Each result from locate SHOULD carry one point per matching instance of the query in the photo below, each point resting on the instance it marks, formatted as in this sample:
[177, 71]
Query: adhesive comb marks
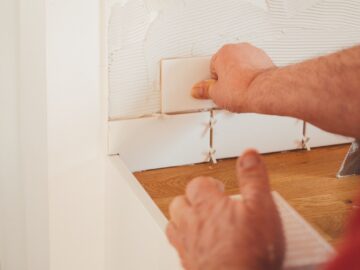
[141, 33]
[177, 79]
[259, 3]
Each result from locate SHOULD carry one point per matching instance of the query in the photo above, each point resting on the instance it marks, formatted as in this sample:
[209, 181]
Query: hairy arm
[324, 91]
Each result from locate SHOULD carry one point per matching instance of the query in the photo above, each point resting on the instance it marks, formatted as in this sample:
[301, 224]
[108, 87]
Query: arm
[324, 91]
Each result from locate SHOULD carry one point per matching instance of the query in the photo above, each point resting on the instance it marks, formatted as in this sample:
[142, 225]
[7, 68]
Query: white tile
[234, 133]
[158, 142]
[177, 79]
[318, 137]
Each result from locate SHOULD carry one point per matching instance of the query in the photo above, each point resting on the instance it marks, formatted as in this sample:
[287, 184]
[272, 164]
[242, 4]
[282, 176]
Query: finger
[204, 190]
[213, 71]
[178, 209]
[252, 178]
[176, 239]
[204, 89]
[173, 235]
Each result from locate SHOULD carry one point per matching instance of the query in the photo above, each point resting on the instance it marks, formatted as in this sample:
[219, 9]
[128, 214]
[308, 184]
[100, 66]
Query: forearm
[324, 91]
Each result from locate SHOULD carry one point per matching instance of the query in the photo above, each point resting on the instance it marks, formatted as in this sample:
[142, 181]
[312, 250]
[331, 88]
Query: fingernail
[249, 161]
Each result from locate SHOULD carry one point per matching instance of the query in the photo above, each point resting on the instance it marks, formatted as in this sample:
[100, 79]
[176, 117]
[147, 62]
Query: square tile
[234, 133]
[177, 79]
[159, 142]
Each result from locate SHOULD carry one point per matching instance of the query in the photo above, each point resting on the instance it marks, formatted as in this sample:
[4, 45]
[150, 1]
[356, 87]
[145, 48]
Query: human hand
[212, 231]
[233, 70]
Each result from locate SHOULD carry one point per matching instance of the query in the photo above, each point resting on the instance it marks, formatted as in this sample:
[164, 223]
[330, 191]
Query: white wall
[52, 128]
[33, 131]
[76, 124]
[12, 213]
[142, 32]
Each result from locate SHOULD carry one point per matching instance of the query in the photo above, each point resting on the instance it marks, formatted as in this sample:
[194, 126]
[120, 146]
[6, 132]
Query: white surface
[141, 33]
[234, 133]
[318, 137]
[157, 142]
[34, 169]
[259, 3]
[305, 248]
[75, 135]
[178, 76]
[57, 201]
[12, 196]
[141, 36]
[294, 6]
[134, 225]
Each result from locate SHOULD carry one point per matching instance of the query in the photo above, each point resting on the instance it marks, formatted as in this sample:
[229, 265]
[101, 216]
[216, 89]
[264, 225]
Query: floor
[305, 179]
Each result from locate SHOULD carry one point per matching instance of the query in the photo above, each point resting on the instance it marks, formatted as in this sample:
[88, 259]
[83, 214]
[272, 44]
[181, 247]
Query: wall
[33, 131]
[52, 123]
[76, 119]
[142, 32]
[12, 212]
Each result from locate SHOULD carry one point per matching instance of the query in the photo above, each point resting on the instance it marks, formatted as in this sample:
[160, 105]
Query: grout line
[304, 128]
[305, 139]
[161, 87]
[212, 150]
[119, 118]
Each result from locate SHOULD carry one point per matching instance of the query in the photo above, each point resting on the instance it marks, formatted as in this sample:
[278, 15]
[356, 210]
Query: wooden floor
[305, 179]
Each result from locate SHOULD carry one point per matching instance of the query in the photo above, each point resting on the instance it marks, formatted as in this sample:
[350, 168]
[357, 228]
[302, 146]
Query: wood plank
[305, 179]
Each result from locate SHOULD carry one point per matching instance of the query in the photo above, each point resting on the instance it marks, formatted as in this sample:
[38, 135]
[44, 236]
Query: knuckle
[196, 185]
[203, 183]
[246, 44]
[226, 48]
[176, 204]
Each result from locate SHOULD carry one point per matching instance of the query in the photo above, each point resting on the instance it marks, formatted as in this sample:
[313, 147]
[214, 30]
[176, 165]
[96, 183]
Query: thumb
[203, 89]
[252, 178]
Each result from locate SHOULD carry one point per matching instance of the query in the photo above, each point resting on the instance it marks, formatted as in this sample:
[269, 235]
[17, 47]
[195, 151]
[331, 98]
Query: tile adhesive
[142, 32]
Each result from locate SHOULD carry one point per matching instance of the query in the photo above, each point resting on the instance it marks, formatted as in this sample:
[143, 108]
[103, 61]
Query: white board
[318, 137]
[158, 142]
[305, 248]
[234, 133]
[178, 76]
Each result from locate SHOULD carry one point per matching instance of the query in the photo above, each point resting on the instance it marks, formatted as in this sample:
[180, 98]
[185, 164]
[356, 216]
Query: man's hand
[323, 91]
[212, 231]
[233, 69]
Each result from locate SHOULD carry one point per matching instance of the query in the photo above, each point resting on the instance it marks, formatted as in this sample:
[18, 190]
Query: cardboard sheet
[306, 249]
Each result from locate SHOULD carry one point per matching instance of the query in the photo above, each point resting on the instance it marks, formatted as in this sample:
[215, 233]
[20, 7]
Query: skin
[324, 91]
[212, 231]
[208, 229]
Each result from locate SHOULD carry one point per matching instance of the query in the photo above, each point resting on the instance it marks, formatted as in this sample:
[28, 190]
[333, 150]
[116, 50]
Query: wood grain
[305, 179]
